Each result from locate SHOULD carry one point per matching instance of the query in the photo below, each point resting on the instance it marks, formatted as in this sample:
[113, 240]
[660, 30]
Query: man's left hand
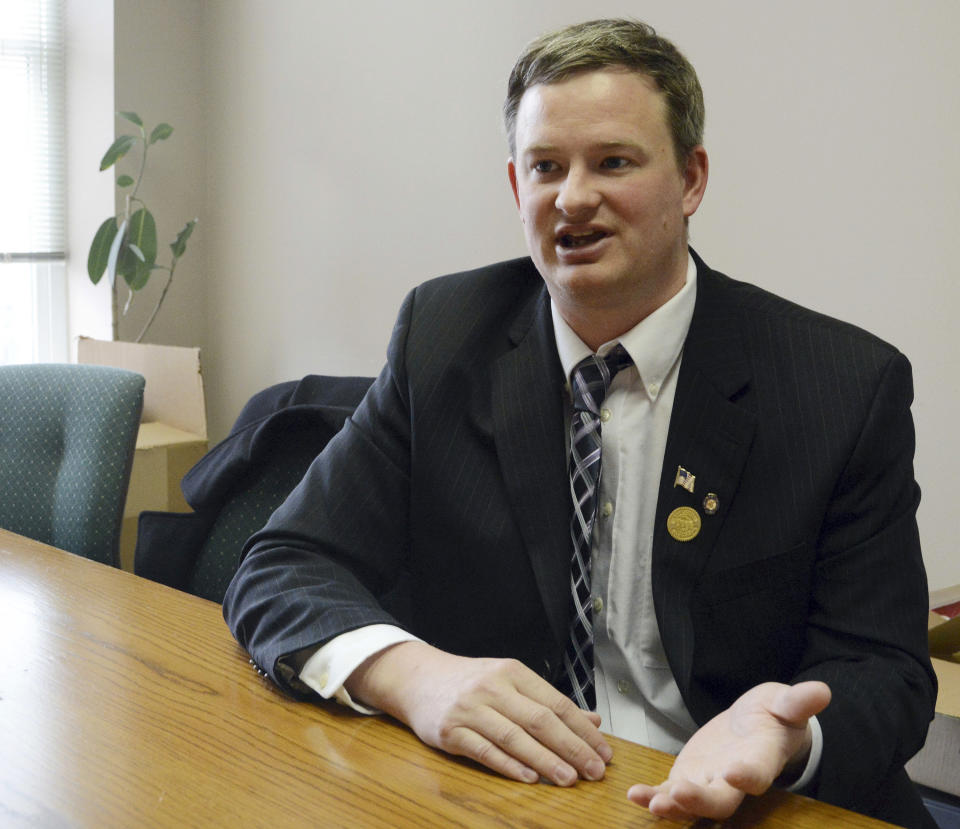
[741, 751]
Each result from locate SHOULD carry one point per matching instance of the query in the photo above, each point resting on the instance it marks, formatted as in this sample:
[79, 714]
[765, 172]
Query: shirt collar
[654, 343]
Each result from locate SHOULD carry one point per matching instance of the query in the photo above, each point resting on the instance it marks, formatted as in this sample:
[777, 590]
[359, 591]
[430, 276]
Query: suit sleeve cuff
[331, 665]
[813, 761]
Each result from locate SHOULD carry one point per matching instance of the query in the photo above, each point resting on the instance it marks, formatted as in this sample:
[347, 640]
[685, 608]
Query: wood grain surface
[124, 703]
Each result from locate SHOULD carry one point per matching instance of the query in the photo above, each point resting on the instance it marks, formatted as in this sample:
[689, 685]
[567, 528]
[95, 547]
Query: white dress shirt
[637, 696]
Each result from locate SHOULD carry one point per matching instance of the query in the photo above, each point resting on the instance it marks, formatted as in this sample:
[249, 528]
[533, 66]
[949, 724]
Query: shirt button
[606, 510]
[324, 677]
[653, 388]
[623, 686]
[597, 604]
[604, 415]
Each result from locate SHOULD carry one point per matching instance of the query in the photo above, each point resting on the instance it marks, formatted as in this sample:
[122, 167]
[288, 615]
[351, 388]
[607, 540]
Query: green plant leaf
[132, 117]
[118, 149]
[160, 133]
[134, 271]
[138, 279]
[139, 250]
[179, 245]
[114, 254]
[124, 180]
[143, 235]
[100, 249]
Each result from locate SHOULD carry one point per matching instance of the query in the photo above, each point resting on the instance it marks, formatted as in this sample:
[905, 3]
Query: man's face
[601, 196]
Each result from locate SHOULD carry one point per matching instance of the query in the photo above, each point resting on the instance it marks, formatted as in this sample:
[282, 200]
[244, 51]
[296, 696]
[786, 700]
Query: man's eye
[614, 163]
[544, 167]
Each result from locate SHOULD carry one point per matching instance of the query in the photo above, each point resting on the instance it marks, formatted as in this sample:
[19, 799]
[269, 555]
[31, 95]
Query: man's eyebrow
[539, 148]
[621, 145]
[536, 149]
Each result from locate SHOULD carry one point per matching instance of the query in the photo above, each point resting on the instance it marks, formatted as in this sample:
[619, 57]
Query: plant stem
[130, 197]
[143, 164]
[156, 308]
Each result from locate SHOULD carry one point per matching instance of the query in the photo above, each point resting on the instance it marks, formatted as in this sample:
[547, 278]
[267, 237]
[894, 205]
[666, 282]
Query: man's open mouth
[579, 240]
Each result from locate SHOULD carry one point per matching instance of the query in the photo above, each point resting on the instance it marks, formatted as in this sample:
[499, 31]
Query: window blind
[32, 139]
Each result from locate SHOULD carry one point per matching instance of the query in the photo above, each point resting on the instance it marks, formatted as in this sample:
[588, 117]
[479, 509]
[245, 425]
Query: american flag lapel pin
[684, 479]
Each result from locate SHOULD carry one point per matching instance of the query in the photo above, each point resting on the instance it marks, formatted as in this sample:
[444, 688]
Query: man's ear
[512, 175]
[695, 176]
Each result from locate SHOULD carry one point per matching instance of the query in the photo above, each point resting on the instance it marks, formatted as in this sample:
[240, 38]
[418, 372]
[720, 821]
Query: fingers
[742, 750]
[469, 743]
[547, 732]
[641, 794]
[686, 800]
[583, 724]
[717, 800]
[498, 742]
[797, 703]
[495, 711]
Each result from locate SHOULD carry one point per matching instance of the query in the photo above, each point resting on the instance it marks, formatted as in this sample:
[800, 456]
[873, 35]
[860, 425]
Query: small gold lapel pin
[711, 503]
[684, 479]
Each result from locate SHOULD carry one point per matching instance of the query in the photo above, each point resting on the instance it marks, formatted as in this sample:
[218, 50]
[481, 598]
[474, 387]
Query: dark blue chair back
[237, 485]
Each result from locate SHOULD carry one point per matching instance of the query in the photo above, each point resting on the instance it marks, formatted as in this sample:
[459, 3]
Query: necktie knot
[591, 377]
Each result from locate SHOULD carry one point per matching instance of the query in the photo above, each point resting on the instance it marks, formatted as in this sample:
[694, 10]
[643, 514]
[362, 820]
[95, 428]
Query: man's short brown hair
[613, 44]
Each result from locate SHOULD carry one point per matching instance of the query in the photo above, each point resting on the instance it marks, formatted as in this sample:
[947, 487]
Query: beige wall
[350, 151]
[160, 75]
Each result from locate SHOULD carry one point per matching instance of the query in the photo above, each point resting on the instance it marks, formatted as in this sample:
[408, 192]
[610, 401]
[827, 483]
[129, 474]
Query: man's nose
[578, 193]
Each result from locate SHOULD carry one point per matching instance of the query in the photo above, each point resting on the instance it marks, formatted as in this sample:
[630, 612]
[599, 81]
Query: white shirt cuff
[331, 665]
[813, 761]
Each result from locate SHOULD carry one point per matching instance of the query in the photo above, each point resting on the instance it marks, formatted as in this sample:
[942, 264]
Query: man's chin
[587, 284]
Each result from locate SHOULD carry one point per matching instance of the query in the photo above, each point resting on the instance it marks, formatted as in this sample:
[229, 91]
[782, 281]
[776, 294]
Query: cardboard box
[937, 765]
[173, 428]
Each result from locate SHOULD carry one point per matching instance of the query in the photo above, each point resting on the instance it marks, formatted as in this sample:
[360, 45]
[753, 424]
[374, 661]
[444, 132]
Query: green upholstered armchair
[67, 437]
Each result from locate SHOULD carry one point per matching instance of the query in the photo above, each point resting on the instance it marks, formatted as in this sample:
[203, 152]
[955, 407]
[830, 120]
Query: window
[32, 182]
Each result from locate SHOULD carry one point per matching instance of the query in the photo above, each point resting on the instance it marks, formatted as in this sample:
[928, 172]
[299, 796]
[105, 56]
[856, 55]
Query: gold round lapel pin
[683, 523]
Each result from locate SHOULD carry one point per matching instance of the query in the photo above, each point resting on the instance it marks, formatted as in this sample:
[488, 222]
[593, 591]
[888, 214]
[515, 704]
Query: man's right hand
[495, 711]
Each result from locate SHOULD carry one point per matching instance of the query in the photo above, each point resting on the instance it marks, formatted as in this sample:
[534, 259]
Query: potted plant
[127, 244]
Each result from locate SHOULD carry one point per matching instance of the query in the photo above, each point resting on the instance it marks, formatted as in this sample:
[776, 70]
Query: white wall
[353, 150]
[89, 114]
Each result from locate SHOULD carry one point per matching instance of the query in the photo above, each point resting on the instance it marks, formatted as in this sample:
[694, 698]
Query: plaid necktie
[590, 381]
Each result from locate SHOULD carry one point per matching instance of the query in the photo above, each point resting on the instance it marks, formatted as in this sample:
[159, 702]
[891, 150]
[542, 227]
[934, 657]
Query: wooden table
[124, 703]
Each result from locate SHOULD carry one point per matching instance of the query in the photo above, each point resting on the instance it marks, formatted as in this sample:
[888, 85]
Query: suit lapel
[710, 437]
[528, 417]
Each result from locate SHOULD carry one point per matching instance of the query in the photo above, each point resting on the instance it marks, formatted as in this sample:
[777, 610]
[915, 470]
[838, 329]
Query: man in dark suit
[746, 567]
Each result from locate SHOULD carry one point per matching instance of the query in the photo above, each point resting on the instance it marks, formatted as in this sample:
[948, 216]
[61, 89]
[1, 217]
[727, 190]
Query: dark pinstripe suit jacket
[450, 481]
